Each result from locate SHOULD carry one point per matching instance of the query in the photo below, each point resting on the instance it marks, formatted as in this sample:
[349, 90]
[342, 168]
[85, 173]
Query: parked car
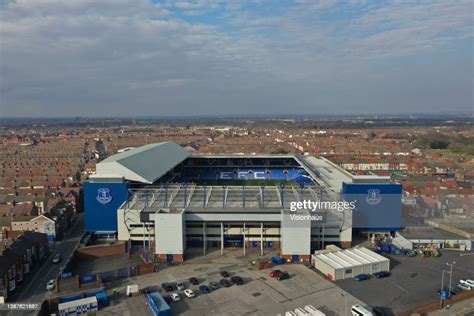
[464, 287]
[362, 277]
[237, 280]
[175, 297]
[467, 282]
[382, 274]
[189, 293]
[455, 290]
[180, 286]
[204, 289]
[225, 274]
[381, 311]
[283, 276]
[214, 285]
[225, 283]
[167, 299]
[274, 273]
[56, 258]
[50, 285]
[168, 287]
[194, 281]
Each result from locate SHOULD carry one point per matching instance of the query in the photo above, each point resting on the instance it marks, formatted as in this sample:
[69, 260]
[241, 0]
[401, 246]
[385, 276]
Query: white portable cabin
[348, 263]
[78, 307]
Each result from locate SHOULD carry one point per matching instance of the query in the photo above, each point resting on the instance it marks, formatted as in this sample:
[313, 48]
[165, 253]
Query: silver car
[464, 287]
[56, 258]
[50, 285]
[180, 286]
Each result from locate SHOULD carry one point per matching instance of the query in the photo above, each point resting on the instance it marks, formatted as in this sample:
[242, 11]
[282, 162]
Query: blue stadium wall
[378, 206]
[100, 208]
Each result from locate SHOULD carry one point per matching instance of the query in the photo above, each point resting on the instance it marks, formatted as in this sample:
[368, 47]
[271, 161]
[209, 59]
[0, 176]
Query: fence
[121, 273]
[436, 305]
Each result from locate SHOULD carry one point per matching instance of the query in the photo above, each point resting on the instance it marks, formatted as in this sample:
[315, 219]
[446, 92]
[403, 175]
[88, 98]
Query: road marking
[395, 284]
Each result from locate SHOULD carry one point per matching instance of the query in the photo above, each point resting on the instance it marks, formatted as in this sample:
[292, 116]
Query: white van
[359, 310]
[301, 312]
[313, 310]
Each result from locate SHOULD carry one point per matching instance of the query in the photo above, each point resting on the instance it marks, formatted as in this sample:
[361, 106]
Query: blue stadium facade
[164, 176]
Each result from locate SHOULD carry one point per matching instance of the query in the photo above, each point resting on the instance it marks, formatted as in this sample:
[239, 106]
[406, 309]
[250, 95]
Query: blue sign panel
[87, 278]
[378, 206]
[101, 201]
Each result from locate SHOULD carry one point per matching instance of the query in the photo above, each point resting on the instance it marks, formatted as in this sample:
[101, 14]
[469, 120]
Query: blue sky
[213, 57]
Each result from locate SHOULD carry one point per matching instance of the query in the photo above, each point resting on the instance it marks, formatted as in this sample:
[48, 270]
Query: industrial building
[168, 200]
[338, 264]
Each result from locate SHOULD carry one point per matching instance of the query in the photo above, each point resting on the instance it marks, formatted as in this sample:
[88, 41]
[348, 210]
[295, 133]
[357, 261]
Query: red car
[275, 273]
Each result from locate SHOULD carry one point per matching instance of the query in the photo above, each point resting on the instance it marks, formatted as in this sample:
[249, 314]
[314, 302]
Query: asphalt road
[33, 289]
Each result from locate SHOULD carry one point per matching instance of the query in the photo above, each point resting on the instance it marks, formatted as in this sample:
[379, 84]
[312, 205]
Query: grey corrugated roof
[144, 164]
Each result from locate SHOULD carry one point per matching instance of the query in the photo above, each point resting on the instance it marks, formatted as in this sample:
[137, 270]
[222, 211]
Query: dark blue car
[382, 274]
[362, 277]
[204, 289]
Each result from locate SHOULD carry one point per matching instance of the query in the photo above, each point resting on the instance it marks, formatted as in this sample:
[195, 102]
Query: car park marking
[399, 286]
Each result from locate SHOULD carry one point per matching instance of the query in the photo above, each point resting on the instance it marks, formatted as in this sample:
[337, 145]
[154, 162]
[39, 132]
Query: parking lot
[400, 291]
[259, 295]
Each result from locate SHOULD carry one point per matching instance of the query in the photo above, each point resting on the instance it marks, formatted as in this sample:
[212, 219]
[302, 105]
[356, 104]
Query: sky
[135, 58]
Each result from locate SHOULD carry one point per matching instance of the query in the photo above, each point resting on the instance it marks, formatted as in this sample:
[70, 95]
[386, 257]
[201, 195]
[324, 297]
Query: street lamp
[450, 274]
[441, 290]
[442, 286]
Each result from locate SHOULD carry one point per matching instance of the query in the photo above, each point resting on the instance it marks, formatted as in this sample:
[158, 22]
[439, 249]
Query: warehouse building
[163, 197]
[338, 264]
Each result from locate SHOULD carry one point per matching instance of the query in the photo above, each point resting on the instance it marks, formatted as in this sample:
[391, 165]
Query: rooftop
[144, 164]
[231, 199]
[346, 258]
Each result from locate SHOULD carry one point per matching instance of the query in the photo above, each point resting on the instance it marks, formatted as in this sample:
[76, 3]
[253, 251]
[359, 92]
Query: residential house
[7, 276]
[44, 224]
[18, 258]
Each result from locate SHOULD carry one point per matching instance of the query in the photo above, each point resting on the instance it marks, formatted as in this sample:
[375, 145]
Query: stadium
[161, 196]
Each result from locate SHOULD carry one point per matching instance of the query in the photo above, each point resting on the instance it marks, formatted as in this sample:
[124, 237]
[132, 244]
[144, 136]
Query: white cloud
[70, 55]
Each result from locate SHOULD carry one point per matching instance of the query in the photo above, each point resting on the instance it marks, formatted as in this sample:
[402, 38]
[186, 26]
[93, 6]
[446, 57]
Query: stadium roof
[144, 164]
[326, 171]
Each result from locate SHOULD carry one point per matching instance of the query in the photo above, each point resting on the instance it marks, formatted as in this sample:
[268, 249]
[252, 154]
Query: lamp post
[441, 289]
[450, 274]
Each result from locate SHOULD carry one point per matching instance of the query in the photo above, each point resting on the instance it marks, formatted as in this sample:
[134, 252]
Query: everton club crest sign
[103, 196]
[373, 197]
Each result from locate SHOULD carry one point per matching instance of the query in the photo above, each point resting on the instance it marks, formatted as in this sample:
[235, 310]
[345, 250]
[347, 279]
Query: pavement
[464, 308]
[33, 289]
[103, 264]
[401, 292]
[260, 294]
